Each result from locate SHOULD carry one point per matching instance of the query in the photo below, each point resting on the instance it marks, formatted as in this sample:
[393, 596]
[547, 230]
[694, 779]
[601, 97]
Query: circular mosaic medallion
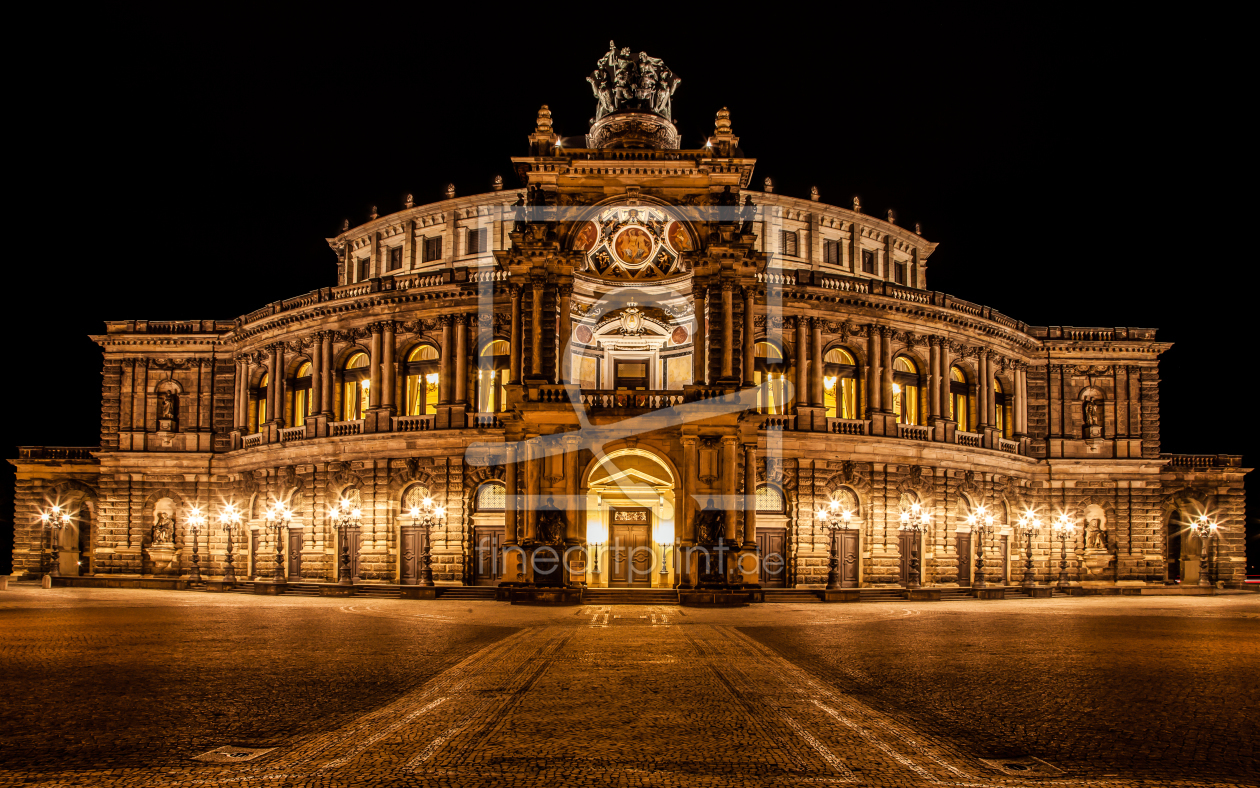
[633, 247]
[679, 336]
[583, 335]
[678, 237]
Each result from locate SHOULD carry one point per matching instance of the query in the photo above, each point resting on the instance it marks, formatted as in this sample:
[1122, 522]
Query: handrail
[651, 400]
[913, 432]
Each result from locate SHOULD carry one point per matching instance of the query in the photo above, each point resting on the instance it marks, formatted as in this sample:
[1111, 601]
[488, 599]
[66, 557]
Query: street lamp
[665, 538]
[916, 521]
[833, 518]
[430, 515]
[1063, 528]
[980, 521]
[344, 516]
[1205, 528]
[53, 521]
[229, 520]
[278, 518]
[195, 521]
[596, 534]
[1029, 524]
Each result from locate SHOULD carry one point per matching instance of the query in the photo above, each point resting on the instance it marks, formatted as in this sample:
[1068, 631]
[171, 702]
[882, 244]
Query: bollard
[46, 582]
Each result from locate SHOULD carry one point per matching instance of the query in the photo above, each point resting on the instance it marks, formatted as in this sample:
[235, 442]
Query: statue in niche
[166, 405]
[1095, 535]
[164, 529]
[710, 524]
[1093, 418]
[550, 528]
[746, 215]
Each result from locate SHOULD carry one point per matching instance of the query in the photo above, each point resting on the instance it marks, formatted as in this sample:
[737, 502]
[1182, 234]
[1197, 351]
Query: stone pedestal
[162, 558]
[1097, 565]
[545, 596]
[219, 586]
[4, 582]
[1040, 592]
[715, 598]
[990, 593]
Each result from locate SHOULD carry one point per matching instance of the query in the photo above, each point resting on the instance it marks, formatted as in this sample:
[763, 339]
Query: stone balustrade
[414, 423]
[848, 426]
[339, 429]
[290, 434]
[913, 432]
[648, 400]
[970, 439]
[1203, 460]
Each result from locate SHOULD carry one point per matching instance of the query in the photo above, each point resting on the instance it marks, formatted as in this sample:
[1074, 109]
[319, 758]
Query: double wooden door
[964, 559]
[906, 546]
[295, 555]
[487, 555]
[630, 549]
[848, 554]
[772, 551]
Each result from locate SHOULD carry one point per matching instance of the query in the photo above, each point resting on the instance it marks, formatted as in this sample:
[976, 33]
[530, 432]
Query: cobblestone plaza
[120, 687]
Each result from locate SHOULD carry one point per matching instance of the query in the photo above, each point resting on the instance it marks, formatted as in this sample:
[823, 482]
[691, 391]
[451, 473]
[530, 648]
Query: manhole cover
[232, 754]
[1025, 766]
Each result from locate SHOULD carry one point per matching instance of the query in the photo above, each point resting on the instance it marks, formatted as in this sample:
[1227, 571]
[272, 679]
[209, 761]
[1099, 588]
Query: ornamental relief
[632, 242]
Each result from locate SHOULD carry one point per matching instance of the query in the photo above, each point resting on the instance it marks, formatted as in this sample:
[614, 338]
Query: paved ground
[122, 688]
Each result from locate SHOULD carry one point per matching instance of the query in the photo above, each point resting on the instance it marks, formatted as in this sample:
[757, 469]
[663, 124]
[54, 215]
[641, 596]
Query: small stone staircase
[301, 589]
[955, 594]
[466, 593]
[792, 595]
[376, 591]
[881, 595]
[629, 596]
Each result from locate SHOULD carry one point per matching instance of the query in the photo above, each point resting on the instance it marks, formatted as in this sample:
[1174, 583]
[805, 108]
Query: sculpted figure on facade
[166, 405]
[164, 529]
[1093, 417]
[1095, 535]
[625, 81]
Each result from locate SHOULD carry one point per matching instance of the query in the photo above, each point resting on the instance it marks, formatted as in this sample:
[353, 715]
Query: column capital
[539, 281]
[565, 290]
[688, 440]
[388, 325]
[817, 323]
[461, 318]
[886, 331]
[376, 328]
[935, 341]
[730, 440]
[514, 290]
[728, 287]
[699, 291]
[445, 320]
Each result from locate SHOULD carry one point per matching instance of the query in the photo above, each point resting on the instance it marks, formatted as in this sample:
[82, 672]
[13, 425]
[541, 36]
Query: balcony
[57, 453]
[1202, 461]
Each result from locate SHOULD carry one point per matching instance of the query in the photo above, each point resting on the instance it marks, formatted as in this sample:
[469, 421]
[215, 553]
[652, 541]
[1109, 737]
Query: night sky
[1074, 171]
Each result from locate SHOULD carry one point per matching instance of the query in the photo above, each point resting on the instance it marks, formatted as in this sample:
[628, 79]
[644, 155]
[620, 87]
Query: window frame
[421, 369]
[869, 257]
[784, 237]
[831, 252]
[432, 248]
[394, 258]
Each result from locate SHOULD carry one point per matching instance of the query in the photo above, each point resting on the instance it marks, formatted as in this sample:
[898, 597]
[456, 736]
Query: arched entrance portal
[630, 520]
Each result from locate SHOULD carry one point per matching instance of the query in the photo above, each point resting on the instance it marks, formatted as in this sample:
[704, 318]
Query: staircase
[629, 596]
[955, 594]
[881, 595]
[792, 595]
[375, 591]
[301, 589]
[466, 593]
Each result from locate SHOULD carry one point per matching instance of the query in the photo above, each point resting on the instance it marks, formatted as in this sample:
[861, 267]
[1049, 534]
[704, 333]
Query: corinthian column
[444, 361]
[816, 372]
[886, 371]
[700, 339]
[374, 367]
[750, 330]
[327, 380]
[514, 362]
[317, 374]
[728, 329]
[388, 373]
[536, 328]
[750, 495]
[801, 396]
[564, 325]
[461, 359]
[872, 370]
[984, 389]
[934, 372]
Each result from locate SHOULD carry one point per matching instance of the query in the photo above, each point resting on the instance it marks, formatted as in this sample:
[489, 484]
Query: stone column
[686, 511]
[444, 361]
[699, 340]
[277, 384]
[509, 511]
[571, 508]
[241, 416]
[327, 380]
[564, 327]
[750, 495]
[514, 363]
[886, 372]
[750, 331]
[816, 373]
[374, 366]
[536, 329]
[1021, 400]
[388, 370]
[983, 389]
[801, 396]
[729, 486]
[728, 329]
[946, 364]
[934, 371]
[990, 396]
[461, 359]
[872, 370]
[317, 374]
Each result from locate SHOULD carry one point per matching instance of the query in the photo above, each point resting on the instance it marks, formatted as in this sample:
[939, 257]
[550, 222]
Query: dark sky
[1075, 169]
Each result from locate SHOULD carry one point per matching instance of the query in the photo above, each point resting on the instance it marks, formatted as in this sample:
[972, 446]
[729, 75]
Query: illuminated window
[769, 499]
[260, 404]
[301, 394]
[423, 374]
[958, 399]
[905, 405]
[492, 376]
[769, 373]
[999, 410]
[491, 497]
[354, 399]
[840, 384]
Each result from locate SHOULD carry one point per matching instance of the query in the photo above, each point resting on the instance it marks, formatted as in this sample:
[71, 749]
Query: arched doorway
[630, 520]
[1184, 546]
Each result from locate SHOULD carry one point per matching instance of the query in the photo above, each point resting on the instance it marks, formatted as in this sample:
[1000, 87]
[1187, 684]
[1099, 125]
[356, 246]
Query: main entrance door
[487, 555]
[964, 559]
[906, 546]
[631, 374]
[848, 558]
[630, 548]
[771, 549]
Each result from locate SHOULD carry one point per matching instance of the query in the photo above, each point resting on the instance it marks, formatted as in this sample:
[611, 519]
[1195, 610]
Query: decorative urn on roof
[633, 92]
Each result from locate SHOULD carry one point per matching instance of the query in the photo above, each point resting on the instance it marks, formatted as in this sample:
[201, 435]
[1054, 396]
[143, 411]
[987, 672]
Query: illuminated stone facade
[628, 348]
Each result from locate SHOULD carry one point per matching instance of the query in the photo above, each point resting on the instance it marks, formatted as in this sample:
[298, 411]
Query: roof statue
[634, 81]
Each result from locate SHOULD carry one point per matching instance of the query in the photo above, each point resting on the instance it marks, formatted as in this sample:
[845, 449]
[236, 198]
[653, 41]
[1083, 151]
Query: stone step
[463, 593]
[629, 596]
[793, 595]
[880, 595]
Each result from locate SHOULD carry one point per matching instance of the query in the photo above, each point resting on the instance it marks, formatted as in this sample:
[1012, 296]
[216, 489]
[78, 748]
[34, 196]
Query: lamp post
[53, 521]
[1029, 524]
[229, 520]
[596, 535]
[915, 522]
[664, 537]
[344, 516]
[834, 519]
[278, 518]
[1063, 528]
[980, 521]
[1205, 528]
[429, 515]
[195, 521]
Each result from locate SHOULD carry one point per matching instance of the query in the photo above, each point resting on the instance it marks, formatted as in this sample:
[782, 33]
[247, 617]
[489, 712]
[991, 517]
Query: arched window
[260, 404]
[958, 397]
[492, 376]
[905, 390]
[769, 368]
[355, 396]
[999, 410]
[491, 497]
[769, 499]
[840, 384]
[423, 372]
[301, 397]
[414, 498]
